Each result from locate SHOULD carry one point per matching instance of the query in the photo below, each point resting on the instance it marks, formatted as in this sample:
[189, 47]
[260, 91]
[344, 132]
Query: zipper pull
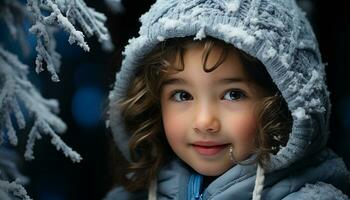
[198, 187]
[195, 186]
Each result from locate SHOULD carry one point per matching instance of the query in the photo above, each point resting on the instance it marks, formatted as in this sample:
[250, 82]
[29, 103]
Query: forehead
[230, 71]
[193, 64]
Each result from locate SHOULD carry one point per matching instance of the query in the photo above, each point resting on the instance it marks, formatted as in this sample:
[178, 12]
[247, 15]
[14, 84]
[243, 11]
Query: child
[224, 100]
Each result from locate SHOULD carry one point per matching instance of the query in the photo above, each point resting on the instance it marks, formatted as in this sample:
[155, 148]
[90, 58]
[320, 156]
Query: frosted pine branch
[14, 188]
[45, 42]
[63, 22]
[91, 21]
[13, 13]
[16, 89]
[40, 126]
[18, 97]
[9, 171]
[60, 145]
[8, 166]
[64, 14]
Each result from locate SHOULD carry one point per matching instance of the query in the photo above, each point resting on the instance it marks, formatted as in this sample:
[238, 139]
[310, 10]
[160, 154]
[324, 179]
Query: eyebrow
[232, 80]
[172, 81]
[181, 81]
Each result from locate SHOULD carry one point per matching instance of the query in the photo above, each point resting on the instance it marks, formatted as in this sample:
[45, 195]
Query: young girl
[224, 100]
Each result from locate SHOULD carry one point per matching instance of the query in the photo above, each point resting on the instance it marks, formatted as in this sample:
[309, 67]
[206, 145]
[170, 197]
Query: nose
[206, 120]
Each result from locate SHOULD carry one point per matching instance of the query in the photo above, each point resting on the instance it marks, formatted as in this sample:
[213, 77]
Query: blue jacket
[278, 34]
[320, 177]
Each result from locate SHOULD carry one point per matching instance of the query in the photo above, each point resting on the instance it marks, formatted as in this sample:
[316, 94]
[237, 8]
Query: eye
[180, 95]
[232, 95]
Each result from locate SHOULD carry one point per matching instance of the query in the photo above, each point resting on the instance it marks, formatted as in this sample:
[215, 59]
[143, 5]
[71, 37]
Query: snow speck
[292, 87]
[284, 59]
[254, 20]
[300, 113]
[314, 102]
[315, 82]
[200, 34]
[259, 34]
[270, 53]
[279, 24]
[171, 23]
[160, 38]
[233, 5]
[231, 32]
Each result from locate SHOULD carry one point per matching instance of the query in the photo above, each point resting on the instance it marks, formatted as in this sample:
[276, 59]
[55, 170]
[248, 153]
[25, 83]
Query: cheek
[170, 120]
[244, 127]
[174, 125]
[170, 123]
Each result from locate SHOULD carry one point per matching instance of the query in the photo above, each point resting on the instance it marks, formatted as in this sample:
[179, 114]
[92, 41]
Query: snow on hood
[276, 32]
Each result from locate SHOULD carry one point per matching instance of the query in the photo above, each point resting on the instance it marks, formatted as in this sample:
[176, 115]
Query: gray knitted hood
[274, 31]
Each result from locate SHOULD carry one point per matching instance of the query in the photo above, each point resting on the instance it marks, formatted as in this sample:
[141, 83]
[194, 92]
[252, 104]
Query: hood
[276, 32]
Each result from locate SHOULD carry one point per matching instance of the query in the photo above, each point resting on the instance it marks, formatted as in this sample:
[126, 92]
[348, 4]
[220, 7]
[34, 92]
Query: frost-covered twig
[64, 14]
[9, 172]
[13, 14]
[45, 42]
[91, 21]
[41, 126]
[8, 166]
[12, 188]
[17, 90]
[19, 97]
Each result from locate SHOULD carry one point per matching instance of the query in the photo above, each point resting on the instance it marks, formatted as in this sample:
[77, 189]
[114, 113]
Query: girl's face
[206, 113]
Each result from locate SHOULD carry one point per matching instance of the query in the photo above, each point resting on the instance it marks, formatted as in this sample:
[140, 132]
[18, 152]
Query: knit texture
[274, 31]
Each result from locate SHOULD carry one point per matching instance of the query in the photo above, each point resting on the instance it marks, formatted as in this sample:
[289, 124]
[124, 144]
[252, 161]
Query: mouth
[209, 148]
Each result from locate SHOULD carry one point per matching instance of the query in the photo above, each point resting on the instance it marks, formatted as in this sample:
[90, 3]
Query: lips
[208, 148]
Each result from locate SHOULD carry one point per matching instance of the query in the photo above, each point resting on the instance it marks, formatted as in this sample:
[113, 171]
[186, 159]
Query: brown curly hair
[141, 109]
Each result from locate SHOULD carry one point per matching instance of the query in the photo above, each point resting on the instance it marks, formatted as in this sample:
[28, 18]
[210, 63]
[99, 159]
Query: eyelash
[172, 96]
[239, 92]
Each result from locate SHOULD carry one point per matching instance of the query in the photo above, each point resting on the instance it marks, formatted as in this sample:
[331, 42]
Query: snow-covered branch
[91, 21]
[13, 14]
[21, 104]
[8, 166]
[10, 189]
[64, 14]
[9, 172]
[17, 90]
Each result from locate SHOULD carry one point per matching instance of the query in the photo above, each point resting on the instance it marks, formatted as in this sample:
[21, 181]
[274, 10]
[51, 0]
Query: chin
[211, 171]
